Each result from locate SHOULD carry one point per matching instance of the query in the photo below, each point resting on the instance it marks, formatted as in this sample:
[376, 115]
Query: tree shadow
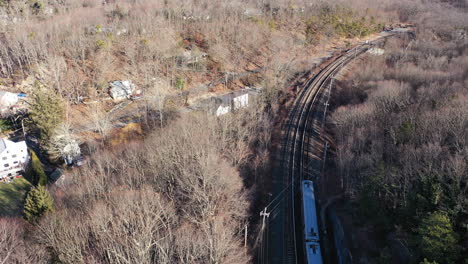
[12, 197]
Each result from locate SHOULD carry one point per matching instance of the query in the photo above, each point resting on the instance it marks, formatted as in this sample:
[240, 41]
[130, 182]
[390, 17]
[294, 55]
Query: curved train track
[284, 238]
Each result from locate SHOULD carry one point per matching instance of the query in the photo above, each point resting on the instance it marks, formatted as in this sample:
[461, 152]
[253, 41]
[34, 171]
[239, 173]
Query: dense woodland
[401, 128]
[185, 191]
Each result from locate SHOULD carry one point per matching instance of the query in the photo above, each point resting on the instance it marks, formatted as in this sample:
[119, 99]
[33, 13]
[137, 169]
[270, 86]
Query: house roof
[8, 144]
[227, 98]
[126, 86]
[3, 145]
[121, 88]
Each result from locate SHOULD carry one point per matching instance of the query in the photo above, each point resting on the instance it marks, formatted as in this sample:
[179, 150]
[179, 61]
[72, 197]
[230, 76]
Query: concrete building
[222, 104]
[14, 158]
[228, 102]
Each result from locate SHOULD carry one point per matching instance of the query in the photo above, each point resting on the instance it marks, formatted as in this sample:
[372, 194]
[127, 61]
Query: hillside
[161, 180]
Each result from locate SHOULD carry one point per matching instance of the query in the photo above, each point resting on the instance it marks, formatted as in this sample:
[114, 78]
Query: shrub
[38, 202]
[101, 44]
[5, 125]
[180, 83]
[38, 176]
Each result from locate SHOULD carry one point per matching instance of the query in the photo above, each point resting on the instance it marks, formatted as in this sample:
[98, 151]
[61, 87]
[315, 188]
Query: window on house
[15, 162]
[6, 165]
[21, 150]
[4, 158]
[14, 156]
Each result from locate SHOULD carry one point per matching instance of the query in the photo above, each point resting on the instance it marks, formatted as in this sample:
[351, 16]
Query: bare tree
[14, 247]
[63, 144]
[101, 121]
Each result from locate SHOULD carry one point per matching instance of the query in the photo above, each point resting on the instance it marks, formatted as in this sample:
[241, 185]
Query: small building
[222, 105]
[14, 158]
[228, 102]
[241, 100]
[120, 90]
[55, 175]
[7, 100]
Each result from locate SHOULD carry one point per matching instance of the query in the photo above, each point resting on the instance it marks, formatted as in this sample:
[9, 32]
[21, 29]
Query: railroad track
[284, 238]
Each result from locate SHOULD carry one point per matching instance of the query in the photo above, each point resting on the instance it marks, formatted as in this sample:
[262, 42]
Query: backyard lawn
[12, 195]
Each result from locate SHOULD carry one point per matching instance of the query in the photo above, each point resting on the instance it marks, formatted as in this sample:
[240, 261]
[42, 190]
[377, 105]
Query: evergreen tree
[46, 112]
[39, 177]
[38, 202]
[438, 241]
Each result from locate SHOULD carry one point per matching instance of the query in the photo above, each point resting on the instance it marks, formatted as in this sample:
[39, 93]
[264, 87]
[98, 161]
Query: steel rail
[294, 120]
[297, 117]
[333, 71]
[312, 90]
[296, 128]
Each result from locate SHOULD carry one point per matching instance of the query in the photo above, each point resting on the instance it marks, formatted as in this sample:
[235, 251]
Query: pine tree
[438, 241]
[39, 177]
[38, 202]
[46, 112]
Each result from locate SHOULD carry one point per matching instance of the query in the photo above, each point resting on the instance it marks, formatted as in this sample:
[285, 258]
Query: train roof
[314, 255]
[310, 212]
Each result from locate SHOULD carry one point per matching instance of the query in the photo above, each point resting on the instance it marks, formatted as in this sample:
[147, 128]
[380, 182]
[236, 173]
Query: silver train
[310, 221]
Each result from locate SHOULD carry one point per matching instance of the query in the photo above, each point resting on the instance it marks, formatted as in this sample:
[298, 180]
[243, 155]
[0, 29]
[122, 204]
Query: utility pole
[323, 166]
[322, 179]
[328, 99]
[245, 236]
[264, 215]
[226, 79]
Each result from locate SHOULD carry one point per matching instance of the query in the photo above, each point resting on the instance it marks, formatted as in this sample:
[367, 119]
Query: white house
[14, 158]
[120, 90]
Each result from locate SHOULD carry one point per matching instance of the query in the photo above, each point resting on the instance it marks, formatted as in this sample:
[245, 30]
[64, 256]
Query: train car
[313, 253]
[311, 230]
